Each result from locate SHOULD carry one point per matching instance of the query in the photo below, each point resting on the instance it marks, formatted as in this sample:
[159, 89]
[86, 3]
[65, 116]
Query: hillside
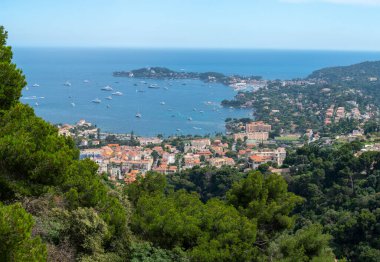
[358, 73]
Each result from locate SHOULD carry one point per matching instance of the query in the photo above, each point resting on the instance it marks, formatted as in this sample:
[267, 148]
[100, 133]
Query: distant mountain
[359, 73]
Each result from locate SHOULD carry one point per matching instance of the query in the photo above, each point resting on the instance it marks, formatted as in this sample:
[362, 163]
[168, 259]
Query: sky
[246, 24]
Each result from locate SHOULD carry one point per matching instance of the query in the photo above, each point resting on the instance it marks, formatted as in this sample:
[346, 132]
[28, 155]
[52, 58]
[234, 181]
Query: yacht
[178, 129]
[117, 94]
[109, 97]
[96, 101]
[201, 111]
[138, 115]
[73, 104]
[86, 81]
[67, 83]
[36, 104]
[162, 103]
[190, 119]
[36, 85]
[154, 86]
[107, 88]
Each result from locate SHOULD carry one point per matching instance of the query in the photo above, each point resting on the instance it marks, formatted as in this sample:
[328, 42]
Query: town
[124, 157]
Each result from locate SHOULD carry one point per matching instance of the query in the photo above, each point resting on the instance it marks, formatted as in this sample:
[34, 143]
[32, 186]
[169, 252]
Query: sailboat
[138, 115]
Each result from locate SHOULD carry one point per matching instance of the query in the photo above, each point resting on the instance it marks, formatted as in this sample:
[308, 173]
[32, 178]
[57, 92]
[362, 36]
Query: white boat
[36, 85]
[138, 115]
[162, 103]
[109, 97]
[86, 81]
[117, 94]
[178, 129]
[107, 88]
[96, 101]
[154, 86]
[67, 83]
[26, 88]
[36, 104]
[201, 111]
[190, 119]
[73, 104]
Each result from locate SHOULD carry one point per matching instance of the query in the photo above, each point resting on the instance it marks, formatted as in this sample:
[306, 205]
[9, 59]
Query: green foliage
[11, 79]
[266, 199]
[307, 244]
[209, 182]
[16, 242]
[180, 219]
[342, 192]
[145, 251]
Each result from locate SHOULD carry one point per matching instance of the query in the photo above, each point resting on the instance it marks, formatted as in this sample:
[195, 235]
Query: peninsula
[162, 73]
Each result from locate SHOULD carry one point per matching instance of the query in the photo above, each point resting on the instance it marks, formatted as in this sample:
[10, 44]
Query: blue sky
[269, 24]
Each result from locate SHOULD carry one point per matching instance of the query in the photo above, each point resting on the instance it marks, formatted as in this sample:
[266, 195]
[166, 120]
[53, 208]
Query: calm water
[50, 68]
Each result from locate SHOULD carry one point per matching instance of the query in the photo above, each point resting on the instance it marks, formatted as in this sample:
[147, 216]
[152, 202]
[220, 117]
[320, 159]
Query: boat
[154, 86]
[86, 81]
[138, 115]
[190, 119]
[36, 85]
[107, 88]
[117, 94]
[196, 128]
[26, 88]
[109, 97]
[165, 88]
[36, 104]
[73, 104]
[178, 129]
[67, 83]
[201, 111]
[96, 101]
[162, 103]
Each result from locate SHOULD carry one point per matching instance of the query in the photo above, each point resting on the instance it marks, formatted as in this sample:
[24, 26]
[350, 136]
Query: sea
[182, 107]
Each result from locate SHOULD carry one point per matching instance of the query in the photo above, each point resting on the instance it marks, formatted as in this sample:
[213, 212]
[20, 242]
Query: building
[260, 136]
[263, 156]
[221, 161]
[259, 126]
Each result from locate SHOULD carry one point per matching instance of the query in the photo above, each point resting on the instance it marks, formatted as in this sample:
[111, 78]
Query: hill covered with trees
[55, 207]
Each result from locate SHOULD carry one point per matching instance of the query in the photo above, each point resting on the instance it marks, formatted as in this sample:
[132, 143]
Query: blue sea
[166, 110]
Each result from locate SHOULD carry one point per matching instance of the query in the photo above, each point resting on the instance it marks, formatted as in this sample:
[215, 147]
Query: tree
[266, 199]
[12, 80]
[16, 242]
[307, 244]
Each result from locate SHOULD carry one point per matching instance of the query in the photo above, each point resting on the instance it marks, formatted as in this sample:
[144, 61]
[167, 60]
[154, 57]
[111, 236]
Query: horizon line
[204, 48]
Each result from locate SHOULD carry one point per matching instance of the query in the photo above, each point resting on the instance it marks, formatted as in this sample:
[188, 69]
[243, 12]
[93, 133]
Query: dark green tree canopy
[12, 81]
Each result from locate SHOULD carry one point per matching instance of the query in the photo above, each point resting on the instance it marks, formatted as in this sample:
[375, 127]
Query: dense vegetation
[343, 194]
[56, 207]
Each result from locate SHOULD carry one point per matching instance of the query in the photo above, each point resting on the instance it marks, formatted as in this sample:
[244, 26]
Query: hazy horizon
[336, 25]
